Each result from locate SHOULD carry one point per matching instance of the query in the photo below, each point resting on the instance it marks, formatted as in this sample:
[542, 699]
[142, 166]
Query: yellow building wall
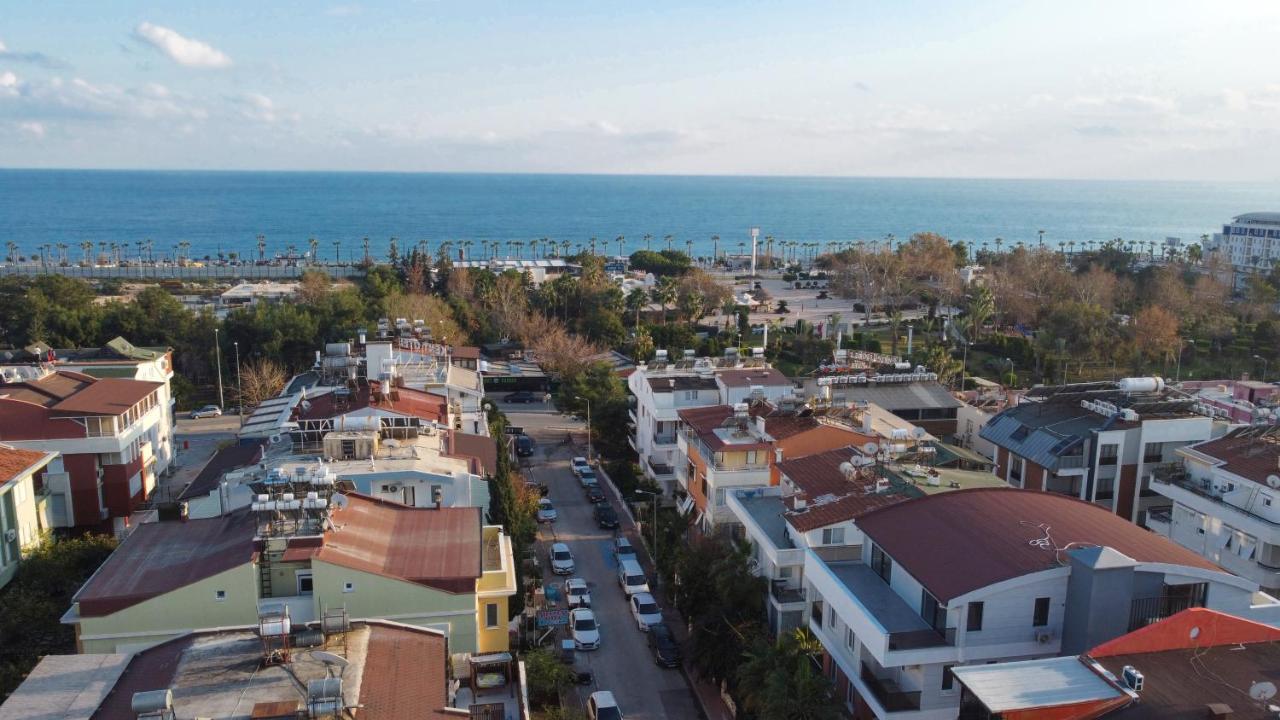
[175, 613]
[495, 587]
[375, 596]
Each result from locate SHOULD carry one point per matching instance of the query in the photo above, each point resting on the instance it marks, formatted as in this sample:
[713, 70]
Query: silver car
[546, 511]
[561, 559]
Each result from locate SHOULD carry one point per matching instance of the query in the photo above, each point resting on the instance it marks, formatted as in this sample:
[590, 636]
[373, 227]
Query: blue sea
[225, 211]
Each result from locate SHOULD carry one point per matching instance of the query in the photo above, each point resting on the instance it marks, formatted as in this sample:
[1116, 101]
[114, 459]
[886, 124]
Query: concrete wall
[17, 513]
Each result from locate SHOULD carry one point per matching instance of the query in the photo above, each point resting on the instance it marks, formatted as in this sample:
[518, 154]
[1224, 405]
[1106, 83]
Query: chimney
[777, 455]
[760, 424]
[799, 501]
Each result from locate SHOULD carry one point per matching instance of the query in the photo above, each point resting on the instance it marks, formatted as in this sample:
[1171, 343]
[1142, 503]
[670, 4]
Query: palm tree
[1062, 248]
[1041, 233]
[742, 250]
[337, 252]
[999, 243]
[647, 239]
[466, 249]
[619, 240]
[564, 247]
[115, 253]
[314, 244]
[768, 251]
[86, 247]
[688, 245]
[593, 245]
[715, 248]
[151, 250]
[1072, 245]
[519, 246]
[138, 244]
[670, 239]
[262, 247]
[637, 300]
[102, 252]
[665, 294]
[365, 242]
[185, 247]
[13, 251]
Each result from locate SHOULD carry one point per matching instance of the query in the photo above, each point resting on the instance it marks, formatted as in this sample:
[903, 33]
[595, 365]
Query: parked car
[561, 559]
[208, 411]
[521, 396]
[583, 629]
[594, 494]
[579, 464]
[546, 511]
[663, 645]
[577, 593]
[524, 446]
[645, 610]
[602, 706]
[631, 578]
[622, 549]
[588, 477]
[606, 516]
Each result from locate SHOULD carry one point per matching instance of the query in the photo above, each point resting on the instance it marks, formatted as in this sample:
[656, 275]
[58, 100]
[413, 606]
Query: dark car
[524, 446]
[595, 494]
[606, 516]
[666, 651]
[521, 396]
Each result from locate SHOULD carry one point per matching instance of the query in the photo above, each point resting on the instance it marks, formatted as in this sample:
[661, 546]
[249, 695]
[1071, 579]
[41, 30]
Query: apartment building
[855, 377]
[22, 510]
[729, 447]
[302, 553]
[1225, 502]
[1250, 243]
[110, 433]
[976, 576]
[664, 386]
[816, 505]
[1098, 441]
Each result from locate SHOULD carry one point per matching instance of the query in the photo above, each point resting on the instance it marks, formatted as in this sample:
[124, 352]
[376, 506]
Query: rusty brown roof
[48, 390]
[160, 557]
[436, 547]
[466, 352]
[16, 461]
[227, 459]
[407, 401]
[1254, 458]
[706, 420]
[397, 653]
[830, 496]
[479, 450]
[753, 376]
[106, 396]
[959, 541]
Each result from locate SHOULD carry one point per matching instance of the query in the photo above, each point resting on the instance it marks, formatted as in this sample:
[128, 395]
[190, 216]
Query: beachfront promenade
[180, 272]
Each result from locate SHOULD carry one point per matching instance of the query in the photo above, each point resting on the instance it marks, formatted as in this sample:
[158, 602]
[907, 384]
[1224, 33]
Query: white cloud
[32, 128]
[180, 49]
[8, 83]
[344, 10]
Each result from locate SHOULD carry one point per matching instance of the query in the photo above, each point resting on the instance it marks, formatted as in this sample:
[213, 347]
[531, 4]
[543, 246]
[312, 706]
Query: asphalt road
[623, 664]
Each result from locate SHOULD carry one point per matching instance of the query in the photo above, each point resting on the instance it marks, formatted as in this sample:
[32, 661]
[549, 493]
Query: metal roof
[903, 396]
[1269, 218]
[1035, 684]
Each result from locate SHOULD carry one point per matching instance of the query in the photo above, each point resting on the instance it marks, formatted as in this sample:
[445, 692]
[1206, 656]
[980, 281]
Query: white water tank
[1141, 384]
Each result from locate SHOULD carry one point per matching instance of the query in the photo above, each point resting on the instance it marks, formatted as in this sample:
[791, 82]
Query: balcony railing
[921, 639]
[664, 439]
[661, 469]
[886, 691]
[1182, 480]
[783, 594]
[1070, 461]
[1144, 611]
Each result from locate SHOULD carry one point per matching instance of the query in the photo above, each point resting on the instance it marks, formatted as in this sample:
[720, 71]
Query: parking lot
[623, 664]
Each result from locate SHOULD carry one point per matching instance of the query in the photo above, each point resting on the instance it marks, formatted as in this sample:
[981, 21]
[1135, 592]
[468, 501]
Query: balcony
[1163, 480]
[1160, 520]
[886, 692]
[1144, 611]
[784, 595]
[664, 439]
[922, 639]
[660, 470]
[1067, 462]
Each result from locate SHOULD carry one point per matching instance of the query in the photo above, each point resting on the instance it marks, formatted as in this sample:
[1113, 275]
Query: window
[850, 640]
[948, 678]
[833, 536]
[1266, 501]
[1108, 454]
[881, 563]
[933, 612]
[720, 497]
[219, 595]
[1040, 617]
[974, 623]
[305, 584]
[831, 617]
[491, 615]
[1153, 452]
[785, 571]
[753, 457]
[690, 394]
[348, 587]
[706, 489]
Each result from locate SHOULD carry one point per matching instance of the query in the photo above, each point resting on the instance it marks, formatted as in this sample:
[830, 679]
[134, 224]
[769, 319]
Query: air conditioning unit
[10, 535]
[1044, 637]
[1132, 678]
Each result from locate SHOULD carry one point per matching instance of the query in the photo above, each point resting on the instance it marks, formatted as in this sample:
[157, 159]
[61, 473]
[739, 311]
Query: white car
[645, 610]
[577, 593]
[561, 559]
[208, 411]
[583, 629]
[546, 511]
[602, 706]
[579, 464]
[588, 478]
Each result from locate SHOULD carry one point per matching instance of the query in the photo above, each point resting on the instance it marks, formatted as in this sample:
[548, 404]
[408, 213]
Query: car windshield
[562, 555]
[647, 608]
[588, 474]
[660, 632]
[584, 624]
[635, 579]
[609, 713]
[626, 549]
[577, 591]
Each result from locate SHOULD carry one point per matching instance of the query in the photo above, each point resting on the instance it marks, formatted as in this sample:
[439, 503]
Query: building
[855, 377]
[247, 293]
[1197, 663]
[23, 506]
[997, 574]
[114, 436]
[1098, 441]
[816, 505]
[436, 568]
[663, 387]
[230, 673]
[1240, 401]
[1250, 243]
[538, 271]
[1225, 502]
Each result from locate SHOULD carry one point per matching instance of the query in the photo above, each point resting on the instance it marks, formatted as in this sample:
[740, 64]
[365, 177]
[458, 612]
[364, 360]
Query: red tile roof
[415, 403]
[48, 390]
[465, 352]
[956, 542]
[844, 509]
[479, 450]
[393, 655]
[706, 420]
[106, 396]
[438, 547]
[15, 462]
[831, 497]
[160, 557]
[753, 376]
[1254, 458]
[1174, 633]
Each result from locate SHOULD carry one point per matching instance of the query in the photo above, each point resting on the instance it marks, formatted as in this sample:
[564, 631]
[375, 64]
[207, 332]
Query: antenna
[339, 501]
[331, 661]
[1262, 691]
[870, 448]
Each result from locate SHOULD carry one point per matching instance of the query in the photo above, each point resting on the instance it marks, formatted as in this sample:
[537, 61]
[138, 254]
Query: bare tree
[261, 380]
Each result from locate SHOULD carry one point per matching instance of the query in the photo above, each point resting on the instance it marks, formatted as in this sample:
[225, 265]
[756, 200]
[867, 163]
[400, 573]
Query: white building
[1250, 243]
[22, 521]
[1226, 502]
[986, 575]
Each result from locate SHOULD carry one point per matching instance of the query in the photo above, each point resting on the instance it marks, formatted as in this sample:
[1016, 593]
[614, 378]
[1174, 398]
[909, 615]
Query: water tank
[1141, 384]
[152, 701]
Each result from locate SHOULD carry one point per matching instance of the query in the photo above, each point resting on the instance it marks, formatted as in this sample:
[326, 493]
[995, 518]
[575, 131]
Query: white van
[631, 578]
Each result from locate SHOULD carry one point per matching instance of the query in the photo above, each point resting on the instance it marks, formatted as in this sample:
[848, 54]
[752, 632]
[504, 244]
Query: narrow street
[624, 663]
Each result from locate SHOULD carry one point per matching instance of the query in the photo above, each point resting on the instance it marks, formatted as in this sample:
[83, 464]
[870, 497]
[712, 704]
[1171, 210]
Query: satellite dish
[339, 501]
[918, 432]
[1262, 691]
[846, 468]
[1195, 633]
[329, 658]
[1273, 481]
[870, 448]
[274, 439]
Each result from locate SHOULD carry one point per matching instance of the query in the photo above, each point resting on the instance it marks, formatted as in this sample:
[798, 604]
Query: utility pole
[239, 387]
[217, 351]
[588, 402]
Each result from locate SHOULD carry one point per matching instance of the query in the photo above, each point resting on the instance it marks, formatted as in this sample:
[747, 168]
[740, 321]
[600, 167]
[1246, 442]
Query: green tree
[547, 677]
[980, 307]
[664, 293]
[637, 301]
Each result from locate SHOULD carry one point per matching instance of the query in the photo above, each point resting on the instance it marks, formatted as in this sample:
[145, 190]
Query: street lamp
[1182, 344]
[588, 402]
[1264, 366]
[964, 364]
[655, 495]
[217, 352]
[239, 387]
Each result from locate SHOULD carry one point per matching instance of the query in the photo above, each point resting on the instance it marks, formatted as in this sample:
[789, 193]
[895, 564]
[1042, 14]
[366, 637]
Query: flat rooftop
[767, 512]
[1037, 684]
[893, 614]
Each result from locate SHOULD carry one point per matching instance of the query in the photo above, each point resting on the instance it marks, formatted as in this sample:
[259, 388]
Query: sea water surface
[225, 211]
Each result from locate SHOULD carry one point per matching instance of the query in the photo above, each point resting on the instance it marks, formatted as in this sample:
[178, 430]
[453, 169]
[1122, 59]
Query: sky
[1084, 89]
